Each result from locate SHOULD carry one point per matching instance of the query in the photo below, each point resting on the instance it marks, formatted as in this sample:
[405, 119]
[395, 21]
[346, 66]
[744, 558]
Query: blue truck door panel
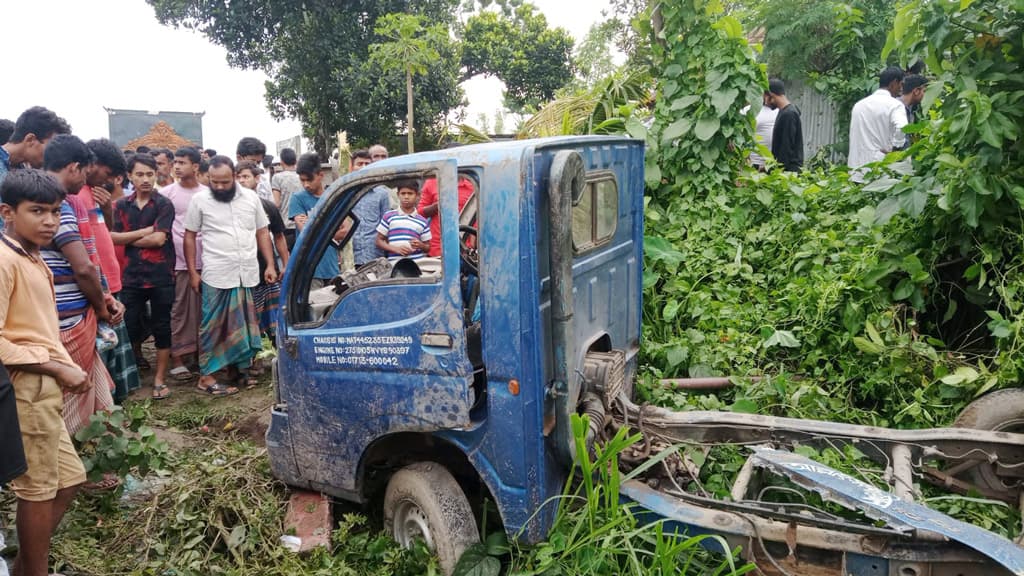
[390, 357]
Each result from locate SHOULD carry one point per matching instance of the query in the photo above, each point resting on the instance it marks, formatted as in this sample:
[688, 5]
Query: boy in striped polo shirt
[403, 233]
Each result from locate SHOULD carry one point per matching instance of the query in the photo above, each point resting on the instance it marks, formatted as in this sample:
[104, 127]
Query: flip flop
[108, 483]
[218, 389]
[181, 374]
[161, 391]
[245, 378]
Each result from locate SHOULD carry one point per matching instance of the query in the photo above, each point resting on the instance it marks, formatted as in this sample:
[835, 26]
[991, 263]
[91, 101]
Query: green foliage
[594, 54]
[219, 513]
[531, 59]
[119, 442]
[832, 45]
[195, 413]
[317, 58]
[707, 75]
[893, 304]
[616, 104]
[411, 48]
[595, 533]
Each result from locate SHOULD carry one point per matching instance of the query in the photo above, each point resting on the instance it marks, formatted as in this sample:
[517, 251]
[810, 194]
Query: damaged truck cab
[428, 385]
[458, 373]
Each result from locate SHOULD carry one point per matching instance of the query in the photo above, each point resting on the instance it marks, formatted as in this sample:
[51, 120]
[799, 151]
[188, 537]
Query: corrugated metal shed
[818, 116]
[127, 125]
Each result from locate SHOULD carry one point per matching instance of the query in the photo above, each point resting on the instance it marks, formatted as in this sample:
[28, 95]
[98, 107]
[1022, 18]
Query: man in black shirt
[788, 134]
[142, 224]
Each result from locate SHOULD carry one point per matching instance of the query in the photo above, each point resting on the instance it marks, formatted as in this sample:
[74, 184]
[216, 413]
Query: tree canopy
[532, 59]
[410, 48]
[317, 58]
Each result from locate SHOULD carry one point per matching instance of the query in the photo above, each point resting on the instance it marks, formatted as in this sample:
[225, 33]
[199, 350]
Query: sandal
[108, 483]
[218, 389]
[181, 374]
[160, 391]
[245, 378]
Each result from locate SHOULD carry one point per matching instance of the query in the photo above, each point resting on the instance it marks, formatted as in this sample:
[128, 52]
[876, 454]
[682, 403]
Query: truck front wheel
[424, 502]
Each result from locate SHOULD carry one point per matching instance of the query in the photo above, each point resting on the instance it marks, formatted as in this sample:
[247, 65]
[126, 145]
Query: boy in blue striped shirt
[403, 233]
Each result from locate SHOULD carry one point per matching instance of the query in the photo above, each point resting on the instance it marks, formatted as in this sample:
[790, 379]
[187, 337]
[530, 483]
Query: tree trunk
[408, 103]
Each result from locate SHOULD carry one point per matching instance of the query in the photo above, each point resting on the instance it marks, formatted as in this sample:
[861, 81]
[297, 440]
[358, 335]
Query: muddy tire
[1002, 411]
[424, 502]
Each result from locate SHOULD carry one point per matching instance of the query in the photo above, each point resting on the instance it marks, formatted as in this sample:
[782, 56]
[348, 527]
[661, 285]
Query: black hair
[411, 183]
[890, 75]
[30, 185]
[268, 160]
[912, 81]
[776, 86]
[308, 164]
[221, 160]
[189, 152]
[65, 149]
[127, 152]
[204, 166]
[250, 146]
[210, 152]
[109, 155]
[288, 157]
[250, 166]
[163, 152]
[142, 158]
[362, 153]
[143, 149]
[6, 129]
[39, 121]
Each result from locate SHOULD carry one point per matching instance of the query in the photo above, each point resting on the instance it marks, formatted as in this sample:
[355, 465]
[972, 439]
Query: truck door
[380, 354]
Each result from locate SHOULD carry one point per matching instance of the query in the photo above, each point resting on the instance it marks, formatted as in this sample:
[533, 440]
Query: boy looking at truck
[403, 233]
[41, 369]
[300, 209]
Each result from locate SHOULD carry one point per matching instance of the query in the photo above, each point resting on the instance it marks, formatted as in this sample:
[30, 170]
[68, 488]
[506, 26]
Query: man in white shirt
[764, 124]
[234, 227]
[876, 124]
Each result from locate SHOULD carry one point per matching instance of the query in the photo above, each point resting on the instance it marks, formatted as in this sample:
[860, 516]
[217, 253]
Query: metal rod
[903, 475]
[710, 383]
[739, 487]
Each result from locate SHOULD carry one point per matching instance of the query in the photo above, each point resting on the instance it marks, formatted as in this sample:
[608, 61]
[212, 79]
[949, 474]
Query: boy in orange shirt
[40, 367]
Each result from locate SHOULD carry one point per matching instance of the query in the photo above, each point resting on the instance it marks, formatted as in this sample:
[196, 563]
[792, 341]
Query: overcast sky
[78, 57]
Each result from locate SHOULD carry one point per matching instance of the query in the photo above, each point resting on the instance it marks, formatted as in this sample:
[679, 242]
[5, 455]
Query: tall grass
[595, 533]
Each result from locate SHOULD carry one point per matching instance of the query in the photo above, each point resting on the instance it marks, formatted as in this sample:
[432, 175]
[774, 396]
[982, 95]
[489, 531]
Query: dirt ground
[189, 413]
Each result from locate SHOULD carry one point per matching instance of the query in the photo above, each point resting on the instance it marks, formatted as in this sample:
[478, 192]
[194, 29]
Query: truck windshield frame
[338, 207]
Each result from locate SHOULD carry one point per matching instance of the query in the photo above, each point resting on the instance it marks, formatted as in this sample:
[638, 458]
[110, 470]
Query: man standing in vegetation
[788, 133]
[876, 124]
[913, 93]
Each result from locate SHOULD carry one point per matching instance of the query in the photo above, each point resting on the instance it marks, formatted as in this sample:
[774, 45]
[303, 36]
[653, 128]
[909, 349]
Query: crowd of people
[104, 248]
[876, 123]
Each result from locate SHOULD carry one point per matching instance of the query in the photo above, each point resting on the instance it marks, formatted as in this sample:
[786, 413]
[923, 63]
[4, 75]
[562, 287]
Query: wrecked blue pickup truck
[426, 386]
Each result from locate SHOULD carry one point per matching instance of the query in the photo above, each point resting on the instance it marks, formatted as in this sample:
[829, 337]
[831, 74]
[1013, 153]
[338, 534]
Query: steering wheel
[469, 255]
